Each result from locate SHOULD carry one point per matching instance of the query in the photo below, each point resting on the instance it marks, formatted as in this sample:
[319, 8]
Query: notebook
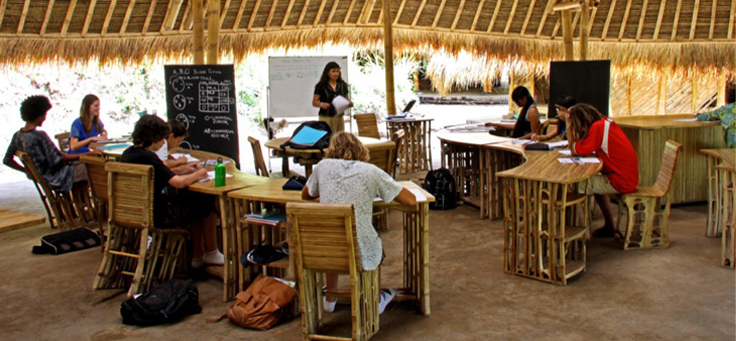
[308, 136]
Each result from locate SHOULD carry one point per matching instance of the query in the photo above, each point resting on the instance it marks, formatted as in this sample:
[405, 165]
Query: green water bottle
[219, 173]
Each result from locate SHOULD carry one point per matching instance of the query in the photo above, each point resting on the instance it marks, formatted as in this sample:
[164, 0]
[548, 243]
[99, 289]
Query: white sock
[387, 295]
[329, 306]
[214, 258]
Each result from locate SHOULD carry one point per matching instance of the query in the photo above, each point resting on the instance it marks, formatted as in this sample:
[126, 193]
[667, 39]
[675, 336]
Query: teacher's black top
[328, 94]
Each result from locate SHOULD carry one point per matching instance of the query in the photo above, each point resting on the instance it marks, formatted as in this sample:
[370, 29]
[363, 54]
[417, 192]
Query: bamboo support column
[389, 60]
[584, 27]
[198, 31]
[567, 34]
[694, 95]
[213, 33]
[721, 89]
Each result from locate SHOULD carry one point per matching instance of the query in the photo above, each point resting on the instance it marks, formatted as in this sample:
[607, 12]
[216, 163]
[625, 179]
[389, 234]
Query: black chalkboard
[586, 81]
[203, 98]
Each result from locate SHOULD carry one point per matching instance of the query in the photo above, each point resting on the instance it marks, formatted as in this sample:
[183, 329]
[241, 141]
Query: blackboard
[203, 98]
[586, 81]
[291, 82]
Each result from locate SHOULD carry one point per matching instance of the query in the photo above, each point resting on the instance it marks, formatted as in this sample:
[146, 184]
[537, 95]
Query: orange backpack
[262, 305]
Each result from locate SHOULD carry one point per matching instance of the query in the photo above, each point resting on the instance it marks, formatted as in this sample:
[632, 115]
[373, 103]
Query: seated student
[54, 166]
[87, 128]
[562, 105]
[194, 208]
[344, 176]
[178, 133]
[589, 131]
[727, 115]
[528, 121]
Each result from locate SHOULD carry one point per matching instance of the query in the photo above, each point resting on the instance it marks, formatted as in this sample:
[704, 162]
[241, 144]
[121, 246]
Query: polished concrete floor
[680, 293]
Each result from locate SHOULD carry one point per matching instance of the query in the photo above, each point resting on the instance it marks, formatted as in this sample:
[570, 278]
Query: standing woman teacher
[87, 128]
[330, 86]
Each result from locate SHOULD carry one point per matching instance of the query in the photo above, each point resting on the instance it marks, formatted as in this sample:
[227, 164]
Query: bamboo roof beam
[575, 20]
[677, 20]
[528, 16]
[662, 5]
[88, 18]
[439, 13]
[495, 15]
[46, 18]
[557, 25]
[172, 11]
[4, 3]
[380, 16]
[186, 21]
[301, 15]
[730, 21]
[571, 5]
[608, 20]
[592, 15]
[332, 11]
[106, 23]
[389, 58]
[148, 17]
[511, 17]
[347, 15]
[624, 21]
[419, 12]
[254, 13]
[23, 15]
[641, 19]
[319, 13]
[457, 16]
[712, 19]
[126, 19]
[694, 22]
[287, 14]
[367, 11]
[239, 16]
[67, 17]
[547, 10]
[398, 14]
[224, 10]
[270, 15]
[477, 14]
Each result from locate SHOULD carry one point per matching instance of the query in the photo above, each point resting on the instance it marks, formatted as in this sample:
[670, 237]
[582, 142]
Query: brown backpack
[262, 305]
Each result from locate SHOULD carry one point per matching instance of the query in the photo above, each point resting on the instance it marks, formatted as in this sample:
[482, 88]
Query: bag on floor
[67, 241]
[310, 135]
[263, 305]
[166, 303]
[441, 184]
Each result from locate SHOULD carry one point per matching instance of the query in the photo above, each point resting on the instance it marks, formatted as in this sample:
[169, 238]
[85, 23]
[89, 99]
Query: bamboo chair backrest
[34, 173]
[667, 167]
[130, 188]
[325, 237]
[260, 164]
[96, 175]
[545, 127]
[398, 139]
[381, 154]
[367, 125]
[63, 140]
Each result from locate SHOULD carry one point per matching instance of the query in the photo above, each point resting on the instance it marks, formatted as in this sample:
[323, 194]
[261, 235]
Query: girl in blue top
[87, 128]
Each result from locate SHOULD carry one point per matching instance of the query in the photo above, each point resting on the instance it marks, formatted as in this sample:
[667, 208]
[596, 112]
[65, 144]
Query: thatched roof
[668, 34]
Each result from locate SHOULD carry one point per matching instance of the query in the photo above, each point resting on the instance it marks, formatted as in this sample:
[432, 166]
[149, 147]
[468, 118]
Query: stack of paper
[558, 144]
[341, 104]
[189, 157]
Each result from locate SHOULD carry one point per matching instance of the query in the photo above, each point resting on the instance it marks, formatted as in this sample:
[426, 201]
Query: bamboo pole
[213, 33]
[712, 19]
[493, 18]
[641, 19]
[186, 20]
[171, 13]
[87, 19]
[106, 24]
[662, 5]
[677, 20]
[288, 12]
[319, 13]
[477, 14]
[584, 26]
[347, 14]
[511, 18]
[419, 12]
[608, 20]
[128, 12]
[332, 11]
[694, 22]
[721, 101]
[23, 15]
[547, 10]
[255, 12]
[439, 13]
[389, 58]
[301, 15]
[731, 19]
[148, 17]
[47, 17]
[4, 3]
[528, 16]
[223, 12]
[567, 34]
[198, 31]
[457, 15]
[625, 20]
[401, 10]
[270, 15]
[239, 16]
[67, 18]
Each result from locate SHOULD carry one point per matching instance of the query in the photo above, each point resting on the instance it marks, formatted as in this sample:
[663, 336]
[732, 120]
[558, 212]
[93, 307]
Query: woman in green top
[727, 115]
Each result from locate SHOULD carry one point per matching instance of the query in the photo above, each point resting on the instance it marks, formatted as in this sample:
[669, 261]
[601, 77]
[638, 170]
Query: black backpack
[169, 302]
[441, 184]
[67, 241]
[321, 144]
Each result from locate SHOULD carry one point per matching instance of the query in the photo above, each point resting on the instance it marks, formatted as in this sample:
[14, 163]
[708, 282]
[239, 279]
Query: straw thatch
[691, 35]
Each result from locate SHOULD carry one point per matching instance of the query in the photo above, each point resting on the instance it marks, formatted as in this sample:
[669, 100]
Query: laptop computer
[404, 111]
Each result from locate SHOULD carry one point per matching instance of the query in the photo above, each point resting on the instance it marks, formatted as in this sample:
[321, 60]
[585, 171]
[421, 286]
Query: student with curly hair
[345, 177]
[87, 128]
[195, 209]
[54, 166]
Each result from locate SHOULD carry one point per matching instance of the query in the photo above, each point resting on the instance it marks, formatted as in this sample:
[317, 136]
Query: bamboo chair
[97, 178]
[647, 223]
[129, 257]
[59, 206]
[367, 125]
[260, 164]
[547, 125]
[398, 139]
[325, 241]
[381, 155]
[63, 140]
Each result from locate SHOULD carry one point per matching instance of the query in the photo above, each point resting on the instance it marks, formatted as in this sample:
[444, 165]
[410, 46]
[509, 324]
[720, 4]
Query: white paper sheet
[522, 142]
[189, 157]
[578, 160]
[211, 176]
[565, 152]
[341, 104]
[418, 194]
[558, 144]
[686, 120]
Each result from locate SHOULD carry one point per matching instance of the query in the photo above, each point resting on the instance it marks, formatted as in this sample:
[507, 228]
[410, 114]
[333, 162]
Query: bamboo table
[649, 133]
[474, 159]
[545, 218]
[714, 157]
[727, 171]
[416, 236]
[415, 153]
[304, 157]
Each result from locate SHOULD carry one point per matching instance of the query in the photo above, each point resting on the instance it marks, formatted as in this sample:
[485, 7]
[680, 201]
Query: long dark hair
[325, 79]
[87, 102]
[521, 127]
[582, 116]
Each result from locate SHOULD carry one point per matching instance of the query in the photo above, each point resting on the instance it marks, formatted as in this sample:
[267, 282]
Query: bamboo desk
[304, 157]
[648, 135]
[416, 235]
[714, 157]
[545, 219]
[415, 153]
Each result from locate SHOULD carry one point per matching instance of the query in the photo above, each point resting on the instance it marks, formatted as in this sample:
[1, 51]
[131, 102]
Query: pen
[576, 161]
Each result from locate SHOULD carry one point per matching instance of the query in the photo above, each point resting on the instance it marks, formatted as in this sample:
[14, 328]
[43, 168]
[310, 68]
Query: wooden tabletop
[543, 166]
[726, 155]
[238, 181]
[472, 139]
[277, 142]
[409, 120]
[660, 121]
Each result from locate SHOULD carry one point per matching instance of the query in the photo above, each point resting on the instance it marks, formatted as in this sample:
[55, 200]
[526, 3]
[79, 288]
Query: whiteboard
[291, 82]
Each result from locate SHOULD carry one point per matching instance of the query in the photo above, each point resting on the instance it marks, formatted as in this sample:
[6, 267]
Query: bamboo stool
[728, 238]
[416, 152]
[325, 241]
[647, 223]
[129, 257]
[367, 125]
[97, 178]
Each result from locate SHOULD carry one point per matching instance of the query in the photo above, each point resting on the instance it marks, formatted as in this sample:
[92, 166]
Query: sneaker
[387, 295]
[604, 233]
[214, 258]
[329, 306]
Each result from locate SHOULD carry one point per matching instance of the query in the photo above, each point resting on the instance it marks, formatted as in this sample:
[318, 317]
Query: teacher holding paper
[331, 86]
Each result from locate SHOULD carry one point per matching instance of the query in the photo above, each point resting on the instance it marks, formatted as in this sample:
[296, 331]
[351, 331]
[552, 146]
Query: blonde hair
[582, 116]
[346, 146]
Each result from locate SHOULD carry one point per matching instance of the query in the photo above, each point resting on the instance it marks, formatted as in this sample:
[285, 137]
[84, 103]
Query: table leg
[230, 269]
[285, 165]
[416, 256]
[308, 170]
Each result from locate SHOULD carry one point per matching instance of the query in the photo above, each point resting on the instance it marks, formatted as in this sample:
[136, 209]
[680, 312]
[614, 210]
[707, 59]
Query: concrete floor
[680, 293]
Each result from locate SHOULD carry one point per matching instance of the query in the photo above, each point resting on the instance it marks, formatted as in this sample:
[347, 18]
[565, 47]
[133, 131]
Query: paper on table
[589, 160]
[341, 104]
[566, 152]
[522, 141]
[686, 120]
[558, 144]
[418, 194]
[578, 160]
[211, 176]
[188, 156]
[211, 162]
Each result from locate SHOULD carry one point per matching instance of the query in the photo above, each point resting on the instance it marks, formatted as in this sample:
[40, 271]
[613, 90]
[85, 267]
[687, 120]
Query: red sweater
[620, 164]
